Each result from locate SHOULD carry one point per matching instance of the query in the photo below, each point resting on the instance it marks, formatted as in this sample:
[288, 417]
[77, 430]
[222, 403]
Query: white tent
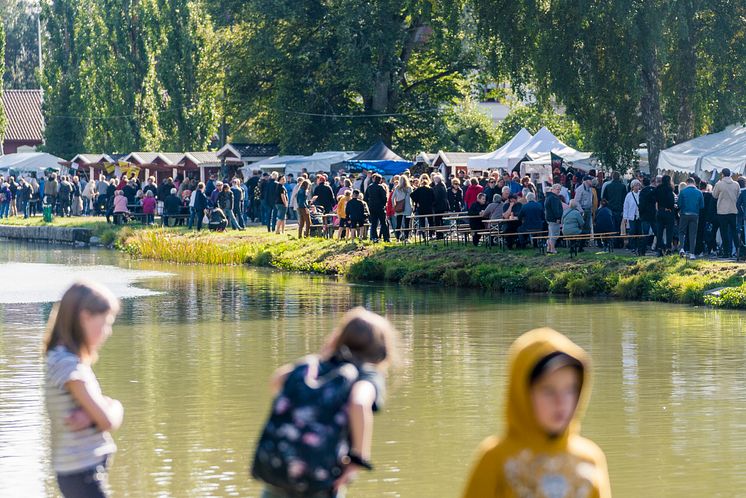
[318, 161]
[540, 148]
[499, 158]
[732, 157]
[274, 163]
[30, 162]
[719, 148]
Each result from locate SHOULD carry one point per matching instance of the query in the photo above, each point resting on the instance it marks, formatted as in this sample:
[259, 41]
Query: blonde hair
[363, 337]
[64, 327]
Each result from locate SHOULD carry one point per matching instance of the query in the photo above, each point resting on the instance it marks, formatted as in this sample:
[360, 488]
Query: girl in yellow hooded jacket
[541, 454]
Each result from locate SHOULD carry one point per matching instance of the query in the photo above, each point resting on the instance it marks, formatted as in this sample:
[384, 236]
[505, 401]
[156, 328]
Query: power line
[364, 116]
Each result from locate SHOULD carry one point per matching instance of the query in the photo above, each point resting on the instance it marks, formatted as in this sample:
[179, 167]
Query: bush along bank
[671, 279]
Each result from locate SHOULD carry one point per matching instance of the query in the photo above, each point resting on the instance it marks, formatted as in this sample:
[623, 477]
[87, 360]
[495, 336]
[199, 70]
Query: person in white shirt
[631, 216]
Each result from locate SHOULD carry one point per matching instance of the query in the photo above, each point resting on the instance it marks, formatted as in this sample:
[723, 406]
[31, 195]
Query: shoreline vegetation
[593, 273]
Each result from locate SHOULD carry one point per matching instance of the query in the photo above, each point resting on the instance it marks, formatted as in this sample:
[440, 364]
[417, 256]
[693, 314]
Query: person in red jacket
[472, 192]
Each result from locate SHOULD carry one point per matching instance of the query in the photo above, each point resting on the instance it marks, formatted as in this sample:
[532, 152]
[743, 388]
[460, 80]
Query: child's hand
[348, 475]
[78, 420]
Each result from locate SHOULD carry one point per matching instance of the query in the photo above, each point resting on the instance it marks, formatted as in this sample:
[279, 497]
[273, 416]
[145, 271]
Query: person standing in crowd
[541, 453]
[81, 417]
[376, 197]
[648, 212]
[631, 218]
[323, 197]
[225, 203]
[102, 186]
[440, 201]
[200, 204]
[342, 201]
[290, 187]
[424, 199]
[171, 208]
[301, 199]
[5, 197]
[476, 216]
[76, 203]
[584, 195]
[51, 188]
[89, 198]
[148, 207]
[615, 193]
[238, 202]
[741, 205]
[456, 197]
[472, 191]
[253, 196]
[281, 204]
[531, 218]
[402, 200]
[65, 197]
[664, 218]
[726, 192]
[111, 192]
[691, 202]
[356, 211]
[553, 214]
[269, 194]
[25, 192]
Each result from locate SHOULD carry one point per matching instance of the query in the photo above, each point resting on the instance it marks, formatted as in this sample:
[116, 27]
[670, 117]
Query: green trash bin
[47, 213]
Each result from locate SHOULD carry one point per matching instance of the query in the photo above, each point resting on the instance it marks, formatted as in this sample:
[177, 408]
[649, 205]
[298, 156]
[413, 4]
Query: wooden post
[202, 173]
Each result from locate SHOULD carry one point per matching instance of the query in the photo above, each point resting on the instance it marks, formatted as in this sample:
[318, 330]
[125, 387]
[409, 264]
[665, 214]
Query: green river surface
[194, 347]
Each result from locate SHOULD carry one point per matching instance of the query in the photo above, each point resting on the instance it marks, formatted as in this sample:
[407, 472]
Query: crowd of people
[319, 432]
[695, 217]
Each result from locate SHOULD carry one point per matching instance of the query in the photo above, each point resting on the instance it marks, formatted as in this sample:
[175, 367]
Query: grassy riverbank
[619, 275]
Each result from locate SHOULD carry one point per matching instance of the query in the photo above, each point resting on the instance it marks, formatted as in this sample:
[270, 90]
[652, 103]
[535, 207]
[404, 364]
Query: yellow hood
[525, 353]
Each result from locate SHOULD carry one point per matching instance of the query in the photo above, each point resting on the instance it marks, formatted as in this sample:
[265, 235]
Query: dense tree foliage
[19, 18]
[317, 74]
[629, 71]
[121, 75]
[2, 70]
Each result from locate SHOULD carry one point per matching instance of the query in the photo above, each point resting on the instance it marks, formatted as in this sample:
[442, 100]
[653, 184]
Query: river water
[192, 352]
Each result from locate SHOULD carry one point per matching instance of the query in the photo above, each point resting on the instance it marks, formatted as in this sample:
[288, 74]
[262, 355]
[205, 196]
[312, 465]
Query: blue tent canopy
[379, 159]
[386, 168]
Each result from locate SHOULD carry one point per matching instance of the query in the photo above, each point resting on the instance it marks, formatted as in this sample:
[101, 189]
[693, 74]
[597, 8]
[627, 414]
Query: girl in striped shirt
[81, 417]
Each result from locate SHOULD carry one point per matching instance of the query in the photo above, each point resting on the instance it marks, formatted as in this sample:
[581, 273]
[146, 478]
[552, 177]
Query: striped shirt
[72, 452]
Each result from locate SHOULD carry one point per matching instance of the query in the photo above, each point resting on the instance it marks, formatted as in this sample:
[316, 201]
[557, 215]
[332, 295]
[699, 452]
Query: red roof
[23, 113]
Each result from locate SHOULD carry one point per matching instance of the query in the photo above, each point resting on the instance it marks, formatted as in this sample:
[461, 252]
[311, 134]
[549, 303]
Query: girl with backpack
[320, 429]
[81, 417]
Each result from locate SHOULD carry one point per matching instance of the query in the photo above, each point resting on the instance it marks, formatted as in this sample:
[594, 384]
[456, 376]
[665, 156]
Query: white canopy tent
[706, 153]
[499, 158]
[539, 150]
[274, 163]
[318, 161]
[29, 162]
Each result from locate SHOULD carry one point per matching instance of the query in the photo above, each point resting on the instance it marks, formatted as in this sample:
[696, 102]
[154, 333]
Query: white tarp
[540, 148]
[274, 163]
[732, 157]
[687, 157]
[499, 158]
[28, 162]
[318, 161]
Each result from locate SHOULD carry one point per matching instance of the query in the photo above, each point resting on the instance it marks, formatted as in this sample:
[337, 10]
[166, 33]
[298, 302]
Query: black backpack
[307, 435]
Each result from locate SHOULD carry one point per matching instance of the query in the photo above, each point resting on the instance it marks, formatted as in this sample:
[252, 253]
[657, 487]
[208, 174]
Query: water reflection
[191, 366]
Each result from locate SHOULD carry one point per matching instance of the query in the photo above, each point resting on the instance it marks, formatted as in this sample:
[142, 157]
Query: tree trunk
[650, 105]
[687, 71]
